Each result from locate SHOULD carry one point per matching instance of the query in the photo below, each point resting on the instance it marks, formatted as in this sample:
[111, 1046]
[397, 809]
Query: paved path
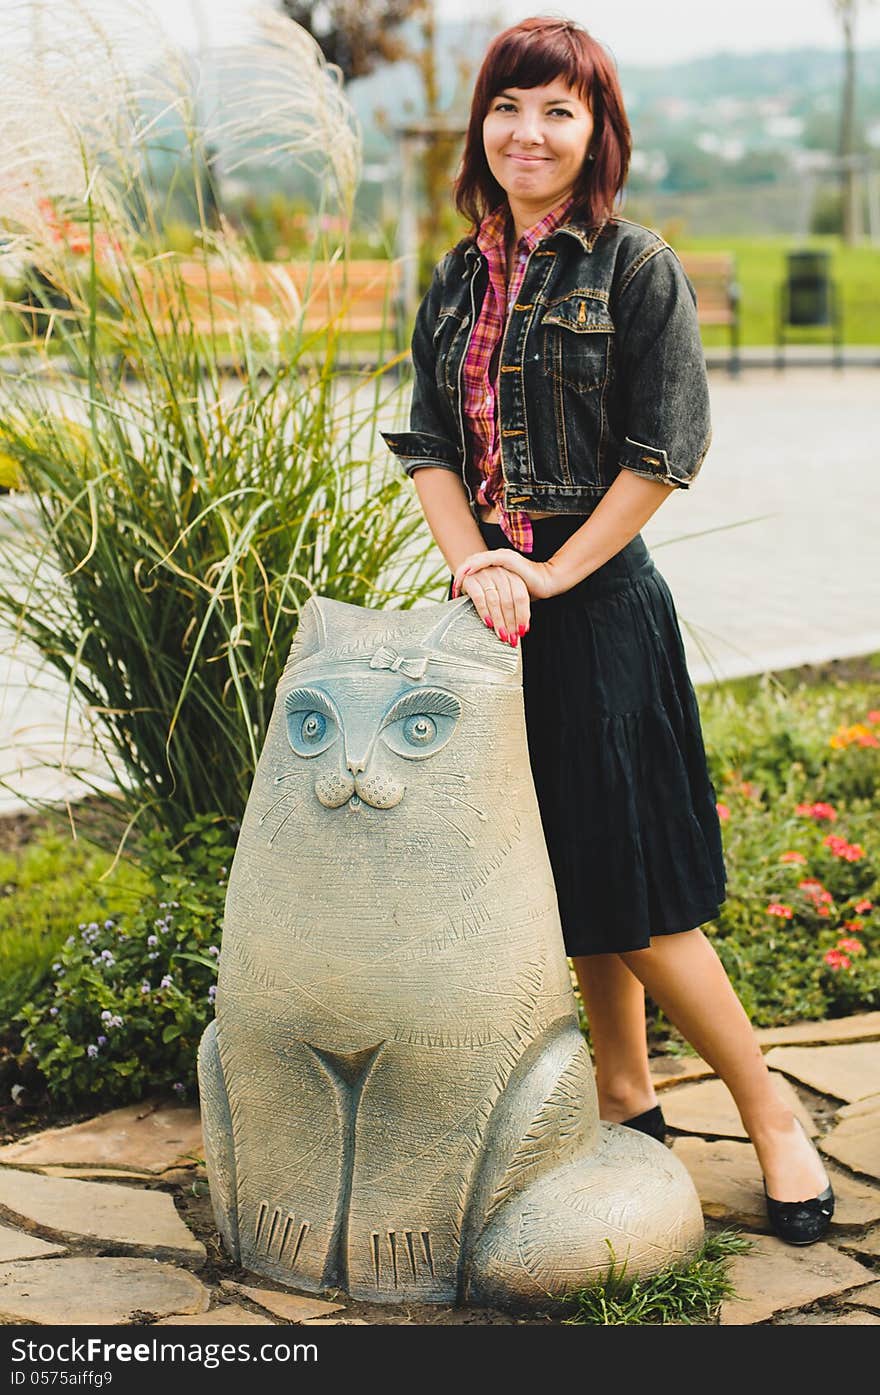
[793, 462]
[110, 1219]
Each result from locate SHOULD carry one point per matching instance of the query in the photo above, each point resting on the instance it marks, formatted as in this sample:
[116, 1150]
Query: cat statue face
[397, 1099]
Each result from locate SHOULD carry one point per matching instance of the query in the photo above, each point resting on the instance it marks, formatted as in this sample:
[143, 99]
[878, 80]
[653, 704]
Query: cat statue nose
[396, 1098]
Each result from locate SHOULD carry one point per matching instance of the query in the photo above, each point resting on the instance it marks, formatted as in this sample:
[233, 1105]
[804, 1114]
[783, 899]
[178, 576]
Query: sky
[636, 31]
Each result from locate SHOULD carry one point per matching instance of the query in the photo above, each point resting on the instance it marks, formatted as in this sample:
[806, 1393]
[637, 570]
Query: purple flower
[108, 924]
[178, 1087]
[212, 949]
[55, 968]
[107, 956]
[154, 954]
[145, 987]
[92, 1050]
[102, 1041]
[212, 993]
[152, 941]
[106, 1015]
[53, 1012]
[166, 981]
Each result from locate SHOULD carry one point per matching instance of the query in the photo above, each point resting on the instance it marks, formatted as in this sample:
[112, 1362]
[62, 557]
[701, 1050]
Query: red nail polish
[522, 629]
[489, 622]
[502, 634]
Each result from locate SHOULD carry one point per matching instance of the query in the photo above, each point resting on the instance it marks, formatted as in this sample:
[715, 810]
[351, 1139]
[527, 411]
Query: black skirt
[617, 755]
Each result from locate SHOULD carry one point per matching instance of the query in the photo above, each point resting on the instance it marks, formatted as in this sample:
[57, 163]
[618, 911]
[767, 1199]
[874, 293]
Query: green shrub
[132, 993]
[797, 771]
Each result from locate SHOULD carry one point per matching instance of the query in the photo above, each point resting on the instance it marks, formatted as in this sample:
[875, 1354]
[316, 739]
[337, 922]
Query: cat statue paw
[397, 1100]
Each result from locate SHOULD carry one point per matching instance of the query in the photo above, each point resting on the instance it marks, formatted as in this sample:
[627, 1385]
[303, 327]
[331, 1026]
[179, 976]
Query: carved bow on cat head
[402, 641]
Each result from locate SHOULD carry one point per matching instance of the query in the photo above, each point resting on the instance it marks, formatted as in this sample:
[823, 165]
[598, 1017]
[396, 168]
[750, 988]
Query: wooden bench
[358, 296]
[713, 276]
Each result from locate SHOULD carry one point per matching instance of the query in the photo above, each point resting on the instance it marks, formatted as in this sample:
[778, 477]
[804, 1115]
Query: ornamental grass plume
[191, 466]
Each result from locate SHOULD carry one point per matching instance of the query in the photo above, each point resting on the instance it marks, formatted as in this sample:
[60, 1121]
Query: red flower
[723, 812]
[835, 960]
[852, 946]
[853, 925]
[792, 857]
[817, 811]
[873, 716]
[862, 906]
[776, 908]
[850, 852]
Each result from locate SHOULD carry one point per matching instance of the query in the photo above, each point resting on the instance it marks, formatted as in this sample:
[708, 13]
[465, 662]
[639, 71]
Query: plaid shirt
[479, 381]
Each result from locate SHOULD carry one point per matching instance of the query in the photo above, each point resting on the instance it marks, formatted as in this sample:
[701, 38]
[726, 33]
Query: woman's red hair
[531, 54]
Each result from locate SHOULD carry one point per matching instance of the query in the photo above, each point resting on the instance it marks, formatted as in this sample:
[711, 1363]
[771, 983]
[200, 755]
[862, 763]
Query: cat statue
[396, 1098]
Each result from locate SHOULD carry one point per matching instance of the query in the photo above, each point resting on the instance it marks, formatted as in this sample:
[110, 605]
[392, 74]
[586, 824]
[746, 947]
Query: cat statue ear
[457, 633]
[311, 633]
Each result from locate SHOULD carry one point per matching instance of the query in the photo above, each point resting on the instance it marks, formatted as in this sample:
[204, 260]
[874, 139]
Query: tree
[356, 37]
[847, 12]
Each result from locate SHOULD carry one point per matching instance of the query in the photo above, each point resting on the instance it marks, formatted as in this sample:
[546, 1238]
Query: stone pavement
[790, 578]
[109, 1221]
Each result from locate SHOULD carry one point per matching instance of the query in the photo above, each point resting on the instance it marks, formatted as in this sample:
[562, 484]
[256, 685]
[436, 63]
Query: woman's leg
[685, 977]
[614, 1001]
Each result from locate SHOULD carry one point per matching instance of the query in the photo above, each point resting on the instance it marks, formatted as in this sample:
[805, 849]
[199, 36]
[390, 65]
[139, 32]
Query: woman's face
[536, 140]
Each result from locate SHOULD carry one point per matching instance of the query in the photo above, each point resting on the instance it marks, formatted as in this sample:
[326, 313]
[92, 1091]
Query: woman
[559, 397]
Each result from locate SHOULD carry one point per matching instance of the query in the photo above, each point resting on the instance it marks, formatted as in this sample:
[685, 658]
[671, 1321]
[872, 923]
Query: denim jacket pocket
[450, 321]
[576, 332]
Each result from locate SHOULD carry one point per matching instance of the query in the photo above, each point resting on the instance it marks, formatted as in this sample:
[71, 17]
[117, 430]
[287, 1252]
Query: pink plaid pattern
[479, 388]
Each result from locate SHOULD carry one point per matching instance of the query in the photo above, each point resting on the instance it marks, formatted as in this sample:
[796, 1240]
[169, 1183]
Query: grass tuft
[674, 1295]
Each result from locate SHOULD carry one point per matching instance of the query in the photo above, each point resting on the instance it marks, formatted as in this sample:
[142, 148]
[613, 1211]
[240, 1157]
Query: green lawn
[761, 271]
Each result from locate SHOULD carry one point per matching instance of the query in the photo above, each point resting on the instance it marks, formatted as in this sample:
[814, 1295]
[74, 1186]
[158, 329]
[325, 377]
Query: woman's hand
[502, 583]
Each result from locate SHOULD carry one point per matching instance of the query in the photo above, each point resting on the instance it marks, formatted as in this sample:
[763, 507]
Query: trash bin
[809, 299]
[809, 288]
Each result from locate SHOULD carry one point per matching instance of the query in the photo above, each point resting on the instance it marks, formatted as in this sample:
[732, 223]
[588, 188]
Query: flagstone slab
[230, 1315]
[293, 1307]
[96, 1292]
[18, 1244]
[847, 1072]
[142, 1137]
[864, 1026]
[727, 1176]
[869, 1104]
[868, 1297]
[707, 1107]
[775, 1277]
[855, 1142]
[863, 1244]
[676, 1070]
[853, 1319]
[128, 1216]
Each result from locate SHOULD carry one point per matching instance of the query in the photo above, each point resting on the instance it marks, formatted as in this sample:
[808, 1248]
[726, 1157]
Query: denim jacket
[601, 368]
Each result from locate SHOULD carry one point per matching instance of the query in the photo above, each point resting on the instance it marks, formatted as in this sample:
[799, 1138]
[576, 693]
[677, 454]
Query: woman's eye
[420, 730]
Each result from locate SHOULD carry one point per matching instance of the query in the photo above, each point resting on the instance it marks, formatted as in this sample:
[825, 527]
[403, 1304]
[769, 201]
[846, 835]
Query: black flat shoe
[801, 1222]
[651, 1122]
